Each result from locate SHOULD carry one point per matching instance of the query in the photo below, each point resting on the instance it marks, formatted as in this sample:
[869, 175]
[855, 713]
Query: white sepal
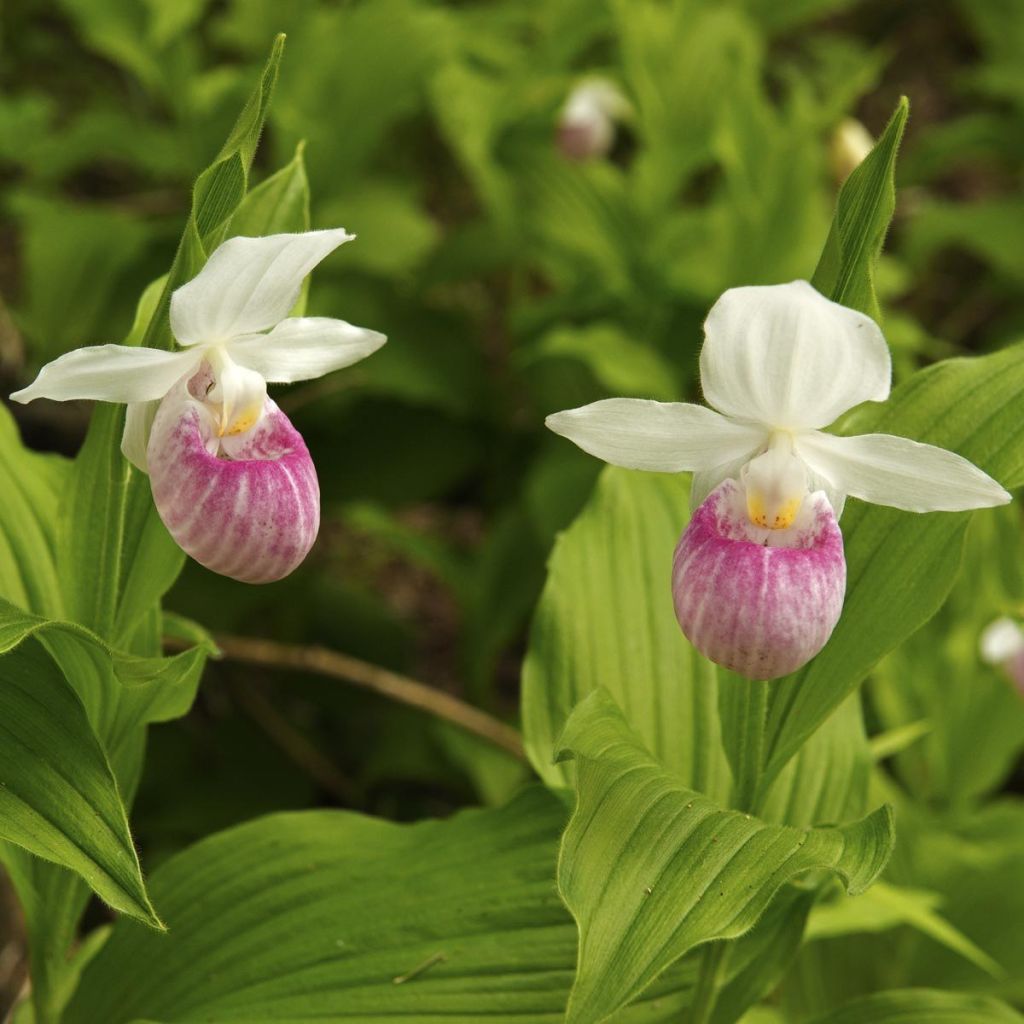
[302, 348]
[665, 437]
[706, 480]
[137, 423]
[786, 356]
[898, 472]
[248, 285]
[109, 373]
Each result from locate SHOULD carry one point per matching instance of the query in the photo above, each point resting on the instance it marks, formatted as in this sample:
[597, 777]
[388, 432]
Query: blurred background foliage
[512, 281]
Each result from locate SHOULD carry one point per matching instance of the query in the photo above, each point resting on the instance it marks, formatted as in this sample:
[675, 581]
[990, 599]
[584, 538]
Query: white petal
[786, 356]
[301, 348]
[896, 471]
[248, 285]
[109, 373]
[137, 423]
[665, 437]
[1000, 641]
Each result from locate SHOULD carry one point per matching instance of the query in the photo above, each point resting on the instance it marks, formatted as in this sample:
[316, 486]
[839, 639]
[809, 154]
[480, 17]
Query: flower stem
[743, 708]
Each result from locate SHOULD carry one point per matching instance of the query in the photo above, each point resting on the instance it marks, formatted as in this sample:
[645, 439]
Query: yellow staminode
[776, 485]
[241, 421]
[774, 517]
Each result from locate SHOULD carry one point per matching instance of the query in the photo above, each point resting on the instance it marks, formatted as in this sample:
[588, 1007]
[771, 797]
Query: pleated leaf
[31, 485]
[324, 916]
[911, 1005]
[95, 553]
[845, 272]
[650, 869]
[605, 619]
[58, 796]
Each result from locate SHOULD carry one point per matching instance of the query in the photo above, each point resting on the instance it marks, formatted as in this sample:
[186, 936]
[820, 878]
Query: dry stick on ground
[324, 662]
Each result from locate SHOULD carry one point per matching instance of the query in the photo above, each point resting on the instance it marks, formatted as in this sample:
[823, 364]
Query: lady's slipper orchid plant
[231, 477]
[759, 573]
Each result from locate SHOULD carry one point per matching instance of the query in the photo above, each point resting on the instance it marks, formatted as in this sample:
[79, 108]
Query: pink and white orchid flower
[231, 477]
[759, 574]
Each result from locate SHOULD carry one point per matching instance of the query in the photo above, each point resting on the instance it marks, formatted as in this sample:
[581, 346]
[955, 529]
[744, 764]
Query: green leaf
[829, 778]
[94, 552]
[901, 566]
[218, 192]
[395, 233]
[91, 524]
[605, 619]
[58, 797]
[973, 713]
[974, 864]
[75, 256]
[31, 485]
[279, 204]
[931, 1005]
[150, 561]
[896, 740]
[845, 272]
[620, 364]
[120, 692]
[886, 906]
[327, 915]
[767, 952]
[651, 869]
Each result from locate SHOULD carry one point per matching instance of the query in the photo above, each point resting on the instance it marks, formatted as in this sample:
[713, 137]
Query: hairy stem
[743, 706]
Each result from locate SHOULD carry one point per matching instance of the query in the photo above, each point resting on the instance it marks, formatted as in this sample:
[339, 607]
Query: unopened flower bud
[850, 144]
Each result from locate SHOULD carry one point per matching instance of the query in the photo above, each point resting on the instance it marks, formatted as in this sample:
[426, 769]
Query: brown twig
[334, 665]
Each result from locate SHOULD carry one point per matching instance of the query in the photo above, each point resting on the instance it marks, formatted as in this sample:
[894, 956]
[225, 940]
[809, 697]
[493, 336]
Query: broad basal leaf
[651, 869]
[331, 916]
[923, 1004]
[605, 619]
[845, 272]
[58, 797]
[119, 692]
[31, 485]
[901, 565]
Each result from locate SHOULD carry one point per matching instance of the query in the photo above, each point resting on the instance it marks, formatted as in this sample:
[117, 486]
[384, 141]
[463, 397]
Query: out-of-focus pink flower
[586, 126]
[1002, 644]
